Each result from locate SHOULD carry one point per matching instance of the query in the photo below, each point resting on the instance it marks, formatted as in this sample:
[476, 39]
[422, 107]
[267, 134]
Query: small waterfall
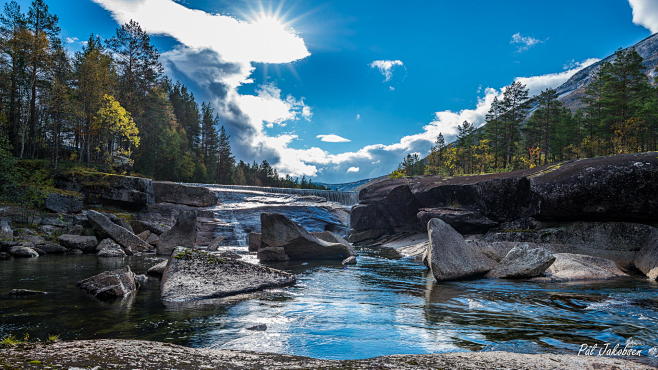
[347, 198]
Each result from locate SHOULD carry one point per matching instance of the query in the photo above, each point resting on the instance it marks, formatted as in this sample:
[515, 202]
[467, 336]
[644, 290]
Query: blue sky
[315, 74]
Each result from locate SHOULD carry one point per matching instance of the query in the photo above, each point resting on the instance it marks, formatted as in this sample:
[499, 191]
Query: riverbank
[114, 354]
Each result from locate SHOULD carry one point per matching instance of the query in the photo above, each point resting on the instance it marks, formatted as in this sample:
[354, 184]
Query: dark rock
[106, 228]
[119, 221]
[5, 230]
[74, 252]
[366, 235]
[279, 232]
[171, 192]
[450, 257]
[109, 248]
[253, 240]
[34, 239]
[193, 274]
[144, 235]
[127, 192]
[522, 262]
[110, 284]
[50, 230]
[153, 239]
[140, 226]
[23, 251]
[84, 243]
[273, 254]
[646, 260]
[52, 248]
[464, 221]
[25, 292]
[183, 233]
[261, 327]
[573, 267]
[157, 270]
[62, 203]
[391, 208]
[349, 261]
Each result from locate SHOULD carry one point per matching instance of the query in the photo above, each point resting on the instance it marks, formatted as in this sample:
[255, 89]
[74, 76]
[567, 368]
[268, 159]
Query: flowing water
[378, 307]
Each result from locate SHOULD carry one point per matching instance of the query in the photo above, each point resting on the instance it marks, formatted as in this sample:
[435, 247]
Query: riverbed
[380, 306]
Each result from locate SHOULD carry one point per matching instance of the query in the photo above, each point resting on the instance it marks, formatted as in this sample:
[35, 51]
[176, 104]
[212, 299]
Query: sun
[271, 22]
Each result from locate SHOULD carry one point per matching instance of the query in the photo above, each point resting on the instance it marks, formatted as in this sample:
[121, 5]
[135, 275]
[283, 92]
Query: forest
[618, 114]
[109, 107]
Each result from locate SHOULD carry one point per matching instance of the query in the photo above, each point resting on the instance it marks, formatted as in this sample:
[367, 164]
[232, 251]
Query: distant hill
[350, 186]
[572, 91]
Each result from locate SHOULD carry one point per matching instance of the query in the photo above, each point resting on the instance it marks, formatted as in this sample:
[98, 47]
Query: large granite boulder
[109, 248]
[522, 262]
[23, 251]
[63, 203]
[575, 267]
[130, 242]
[158, 269]
[450, 257]
[183, 234]
[127, 192]
[193, 274]
[83, 243]
[646, 260]
[172, 192]
[52, 248]
[464, 221]
[109, 285]
[280, 232]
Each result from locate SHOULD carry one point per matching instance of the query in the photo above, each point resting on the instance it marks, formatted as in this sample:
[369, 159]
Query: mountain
[350, 186]
[571, 92]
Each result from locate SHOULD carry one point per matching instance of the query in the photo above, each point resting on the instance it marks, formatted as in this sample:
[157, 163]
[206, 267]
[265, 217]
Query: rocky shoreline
[135, 354]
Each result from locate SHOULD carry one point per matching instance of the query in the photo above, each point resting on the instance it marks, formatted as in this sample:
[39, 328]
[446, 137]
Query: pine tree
[515, 105]
[225, 159]
[542, 125]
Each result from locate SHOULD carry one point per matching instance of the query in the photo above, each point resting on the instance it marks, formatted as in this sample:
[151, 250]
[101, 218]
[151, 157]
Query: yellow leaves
[117, 122]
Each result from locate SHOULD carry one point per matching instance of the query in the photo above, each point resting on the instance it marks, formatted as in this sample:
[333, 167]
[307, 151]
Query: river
[379, 307]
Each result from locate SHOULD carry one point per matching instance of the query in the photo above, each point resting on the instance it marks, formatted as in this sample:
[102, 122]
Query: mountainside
[573, 90]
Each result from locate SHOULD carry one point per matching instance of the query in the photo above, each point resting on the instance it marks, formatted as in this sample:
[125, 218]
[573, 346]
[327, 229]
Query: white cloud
[645, 13]
[353, 170]
[331, 138]
[537, 84]
[358, 116]
[72, 40]
[385, 67]
[524, 43]
[261, 40]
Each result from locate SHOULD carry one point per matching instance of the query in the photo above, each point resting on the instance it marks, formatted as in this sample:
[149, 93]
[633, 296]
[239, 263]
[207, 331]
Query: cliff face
[571, 92]
[615, 188]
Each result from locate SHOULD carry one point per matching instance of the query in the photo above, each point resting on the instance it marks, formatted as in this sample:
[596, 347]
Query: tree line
[109, 106]
[618, 114]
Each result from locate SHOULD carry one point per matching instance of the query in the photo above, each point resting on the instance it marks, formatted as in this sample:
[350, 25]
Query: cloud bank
[645, 13]
[331, 138]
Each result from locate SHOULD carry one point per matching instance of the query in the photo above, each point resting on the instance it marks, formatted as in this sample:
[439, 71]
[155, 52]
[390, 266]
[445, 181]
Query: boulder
[153, 239]
[450, 257]
[130, 242]
[464, 221]
[183, 233]
[171, 192]
[280, 232]
[6, 232]
[23, 251]
[144, 235]
[109, 248]
[194, 274]
[84, 243]
[110, 284]
[330, 237]
[63, 203]
[253, 240]
[119, 221]
[126, 192]
[52, 248]
[573, 267]
[646, 260]
[522, 262]
[157, 270]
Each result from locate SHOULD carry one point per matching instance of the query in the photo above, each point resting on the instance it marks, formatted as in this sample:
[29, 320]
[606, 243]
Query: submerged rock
[84, 243]
[105, 227]
[171, 192]
[183, 233]
[571, 267]
[23, 251]
[110, 284]
[522, 262]
[450, 257]
[194, 274]
[298, 244]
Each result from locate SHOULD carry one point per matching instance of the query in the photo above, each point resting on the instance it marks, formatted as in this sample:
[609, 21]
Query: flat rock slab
[575, 267]
[193, 274]
[450, 257]
[137, 354]
[172, 192]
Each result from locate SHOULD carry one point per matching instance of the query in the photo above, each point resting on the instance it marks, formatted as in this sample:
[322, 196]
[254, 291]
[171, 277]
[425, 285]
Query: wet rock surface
[109, 248]
[450, 257]
[110, 285]
[158, 269]
[193, 274]
[135, 354]
[171, 192]
[522, 262]
[578, 267]
[183, 233]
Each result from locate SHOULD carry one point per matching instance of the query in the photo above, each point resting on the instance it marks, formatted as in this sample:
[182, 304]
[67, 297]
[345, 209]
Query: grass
[12, 341]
